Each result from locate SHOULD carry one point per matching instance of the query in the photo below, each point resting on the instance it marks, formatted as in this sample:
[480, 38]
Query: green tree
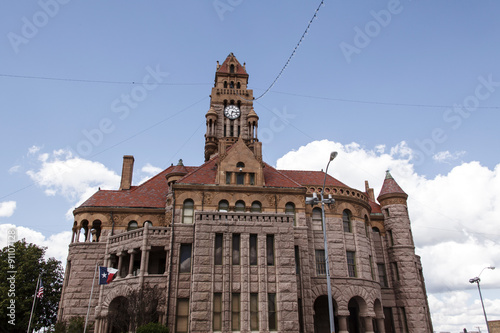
[20, 265]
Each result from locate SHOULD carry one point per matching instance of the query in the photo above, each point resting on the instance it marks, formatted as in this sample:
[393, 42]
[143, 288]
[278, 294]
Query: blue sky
[380, 81]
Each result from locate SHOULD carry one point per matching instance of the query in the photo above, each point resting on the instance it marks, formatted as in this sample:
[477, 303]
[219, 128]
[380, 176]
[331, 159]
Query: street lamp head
[473, 280]
[491, 267]
[333, 155]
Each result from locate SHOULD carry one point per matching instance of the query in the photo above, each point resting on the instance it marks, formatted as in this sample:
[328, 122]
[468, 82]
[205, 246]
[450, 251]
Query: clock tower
[231, 114]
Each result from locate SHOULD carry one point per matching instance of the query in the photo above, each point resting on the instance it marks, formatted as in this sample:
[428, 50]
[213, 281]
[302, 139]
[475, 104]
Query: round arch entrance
[321, 315]
[356, 324]
[118, 318]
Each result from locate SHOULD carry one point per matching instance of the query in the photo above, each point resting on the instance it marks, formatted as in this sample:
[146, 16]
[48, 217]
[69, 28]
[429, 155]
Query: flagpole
[90, 299]
[34, 300]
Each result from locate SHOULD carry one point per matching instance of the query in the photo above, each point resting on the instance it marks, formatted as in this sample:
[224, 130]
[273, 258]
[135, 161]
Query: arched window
[239, 206]
[96, 230]
[367, 226]
[238, 85]
[225, 84]
[188, 211]
[149, 223]
[316, 216]
[346, 219]
[132, 225]
[231, 84]
[240, 165]
[223, 206]
[256, 207]
[231, 69]
[85, 227]
[290, 209]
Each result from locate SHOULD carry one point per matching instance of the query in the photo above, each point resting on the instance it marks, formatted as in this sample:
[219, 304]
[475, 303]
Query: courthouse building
[231, 245]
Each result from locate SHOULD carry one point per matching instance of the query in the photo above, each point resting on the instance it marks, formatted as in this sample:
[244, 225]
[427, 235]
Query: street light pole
[314, 200]
[477, 280]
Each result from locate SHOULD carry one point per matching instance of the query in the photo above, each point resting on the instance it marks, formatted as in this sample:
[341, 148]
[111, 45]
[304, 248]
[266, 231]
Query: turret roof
[225, 67]
[390, 186]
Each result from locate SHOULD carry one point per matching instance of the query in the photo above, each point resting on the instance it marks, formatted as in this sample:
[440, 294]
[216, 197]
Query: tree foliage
[138, 308]
[20, 265]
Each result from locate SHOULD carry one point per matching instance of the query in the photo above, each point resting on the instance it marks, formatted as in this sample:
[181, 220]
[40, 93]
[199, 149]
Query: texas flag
[106, 274]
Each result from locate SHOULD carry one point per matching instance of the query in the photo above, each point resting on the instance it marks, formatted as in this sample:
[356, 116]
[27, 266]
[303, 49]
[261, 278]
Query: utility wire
[293, 52]
[375, 102]
[96, 81]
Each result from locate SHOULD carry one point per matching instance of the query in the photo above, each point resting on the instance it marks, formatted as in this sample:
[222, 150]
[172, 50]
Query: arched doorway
[322, 317]
[356, 323]
[118, 317]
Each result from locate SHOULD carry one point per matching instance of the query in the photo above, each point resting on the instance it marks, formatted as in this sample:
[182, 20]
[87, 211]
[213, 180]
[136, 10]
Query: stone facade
[231, 245]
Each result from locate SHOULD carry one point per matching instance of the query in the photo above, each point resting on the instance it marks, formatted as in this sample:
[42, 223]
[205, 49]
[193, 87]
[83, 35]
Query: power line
[379, 103]
[96, 81]
[294, 50]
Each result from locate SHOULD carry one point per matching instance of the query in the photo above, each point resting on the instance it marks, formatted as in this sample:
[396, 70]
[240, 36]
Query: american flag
[39, 294]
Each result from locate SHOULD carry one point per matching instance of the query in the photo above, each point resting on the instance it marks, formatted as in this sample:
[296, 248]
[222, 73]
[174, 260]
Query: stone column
[368, 324]
[167, 262]
[381, 325]
[131, 262]
[342, 324]
[120, 264]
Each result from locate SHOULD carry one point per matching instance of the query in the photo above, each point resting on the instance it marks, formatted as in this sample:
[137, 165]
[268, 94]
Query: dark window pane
[185, 258]
[218, 249]
[253, 249]
[320, 262]
[236, 249]
[271, 301]
[270, 250]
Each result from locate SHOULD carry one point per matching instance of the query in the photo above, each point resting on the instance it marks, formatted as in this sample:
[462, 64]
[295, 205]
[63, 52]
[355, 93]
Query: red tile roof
[224, 68]
[276, 178]
[151, 194]
[311, 178]
[204, 174]
[375, 207]
[390, 186]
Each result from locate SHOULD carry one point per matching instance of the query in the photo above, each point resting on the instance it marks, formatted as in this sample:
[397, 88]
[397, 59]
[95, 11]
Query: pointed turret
[390, 189]
[177, 173]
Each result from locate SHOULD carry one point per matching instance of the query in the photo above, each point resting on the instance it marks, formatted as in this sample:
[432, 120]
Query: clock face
[232, 112]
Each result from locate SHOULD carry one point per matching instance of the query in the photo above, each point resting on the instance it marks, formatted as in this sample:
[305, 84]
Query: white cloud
[14, 169]
[454, 216]
[74, 178]
[150, 172]
[7, 208]
[150, 169]
[447, 157]
[33, 150]
[57, 244]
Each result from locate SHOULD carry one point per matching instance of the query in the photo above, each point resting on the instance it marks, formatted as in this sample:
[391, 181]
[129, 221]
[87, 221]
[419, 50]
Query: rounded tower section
[405, 266]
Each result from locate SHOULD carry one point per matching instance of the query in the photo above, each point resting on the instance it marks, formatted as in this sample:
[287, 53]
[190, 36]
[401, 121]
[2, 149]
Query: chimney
[127, 170]
[369, 191]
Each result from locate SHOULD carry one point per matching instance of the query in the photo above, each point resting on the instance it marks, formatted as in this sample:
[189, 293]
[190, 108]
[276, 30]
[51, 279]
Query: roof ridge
[197, 168]
[278, 171]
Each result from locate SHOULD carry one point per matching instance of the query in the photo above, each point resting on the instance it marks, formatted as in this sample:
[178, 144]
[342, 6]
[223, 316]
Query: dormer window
[231, 69]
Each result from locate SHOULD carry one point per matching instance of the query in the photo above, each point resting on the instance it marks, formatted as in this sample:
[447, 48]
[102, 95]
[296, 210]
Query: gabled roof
[225, 67]
[311, 178]
[390, 187]
[204, 174]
